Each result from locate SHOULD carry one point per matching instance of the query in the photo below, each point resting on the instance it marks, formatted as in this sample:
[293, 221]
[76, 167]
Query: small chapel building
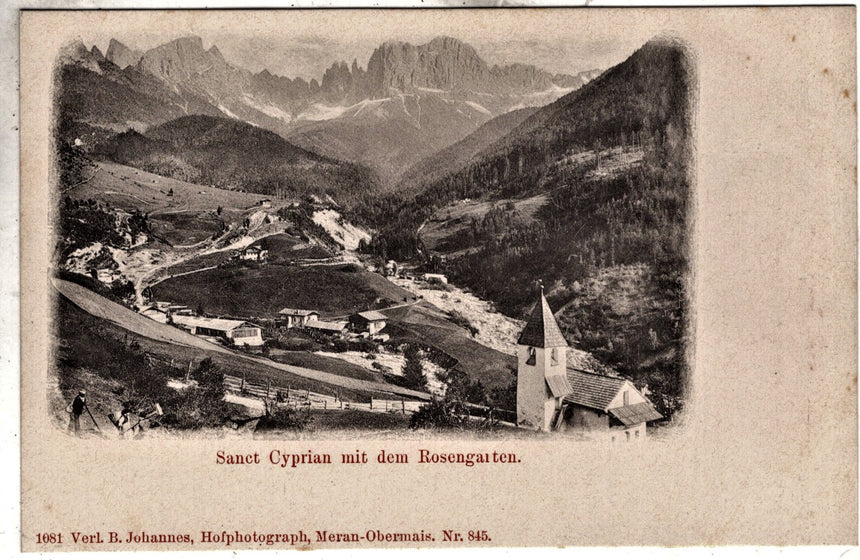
[554, 397]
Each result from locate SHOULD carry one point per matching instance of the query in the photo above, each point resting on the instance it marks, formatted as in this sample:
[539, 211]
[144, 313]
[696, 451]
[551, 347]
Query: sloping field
[128, 188]
[426, 324]
[446, 223]
[98, 306]
[263, 291]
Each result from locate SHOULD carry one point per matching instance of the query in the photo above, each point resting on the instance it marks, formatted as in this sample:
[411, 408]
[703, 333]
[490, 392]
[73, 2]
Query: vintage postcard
[303, 279]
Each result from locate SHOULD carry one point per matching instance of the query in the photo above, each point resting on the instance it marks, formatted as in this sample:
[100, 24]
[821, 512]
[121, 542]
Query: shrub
[441, 413]
[283, 418]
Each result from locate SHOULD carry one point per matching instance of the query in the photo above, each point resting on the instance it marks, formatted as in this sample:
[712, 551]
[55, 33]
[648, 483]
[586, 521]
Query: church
[554, 397]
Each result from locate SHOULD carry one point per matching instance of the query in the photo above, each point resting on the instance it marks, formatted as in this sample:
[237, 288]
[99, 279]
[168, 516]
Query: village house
[254, 253]
[327, 327]
[370, 322]
[266, 203]
[297, 317]
[235, 332]
[553, 397]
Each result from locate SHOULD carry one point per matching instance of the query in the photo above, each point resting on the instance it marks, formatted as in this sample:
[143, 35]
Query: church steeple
[541, 369]
[541, 330]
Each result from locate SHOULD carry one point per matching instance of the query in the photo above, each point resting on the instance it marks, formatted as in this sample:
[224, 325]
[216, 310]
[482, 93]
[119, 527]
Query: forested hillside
[610, 245]
[234, 155]
[455, 156]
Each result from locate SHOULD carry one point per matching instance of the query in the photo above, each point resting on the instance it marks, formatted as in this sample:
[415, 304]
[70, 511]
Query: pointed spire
[542, 331]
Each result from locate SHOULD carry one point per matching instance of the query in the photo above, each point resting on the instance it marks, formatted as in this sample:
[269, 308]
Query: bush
[441, 413]
[458, 319]
[283, 418]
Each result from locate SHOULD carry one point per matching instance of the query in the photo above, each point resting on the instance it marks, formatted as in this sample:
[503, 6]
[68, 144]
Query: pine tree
[413, 368]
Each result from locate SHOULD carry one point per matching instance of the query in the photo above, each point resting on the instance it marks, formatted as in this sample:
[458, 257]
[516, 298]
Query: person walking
[122, 423]
[75, 409]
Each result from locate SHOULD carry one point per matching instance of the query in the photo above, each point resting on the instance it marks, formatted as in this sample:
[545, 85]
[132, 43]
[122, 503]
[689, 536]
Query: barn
[327, 327]
[370, 322]
[234, 331]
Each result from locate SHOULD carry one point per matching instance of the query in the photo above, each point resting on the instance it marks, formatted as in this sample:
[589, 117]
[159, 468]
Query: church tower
[541, 369]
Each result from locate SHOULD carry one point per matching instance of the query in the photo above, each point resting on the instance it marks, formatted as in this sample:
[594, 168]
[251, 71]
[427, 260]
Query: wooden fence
[303, 398]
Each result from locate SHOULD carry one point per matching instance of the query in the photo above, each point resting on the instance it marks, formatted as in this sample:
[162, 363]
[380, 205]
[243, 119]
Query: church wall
[581, 418]
[633, 396]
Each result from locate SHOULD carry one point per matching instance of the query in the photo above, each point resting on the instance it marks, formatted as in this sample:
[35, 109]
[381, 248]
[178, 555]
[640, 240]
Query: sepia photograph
[280, 234]
[414, 278]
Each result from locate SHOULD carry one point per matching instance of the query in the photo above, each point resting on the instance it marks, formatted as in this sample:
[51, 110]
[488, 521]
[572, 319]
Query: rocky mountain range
[409, 102]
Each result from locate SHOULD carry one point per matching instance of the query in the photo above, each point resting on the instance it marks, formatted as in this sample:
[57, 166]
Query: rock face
[76, 54]
[121, 55]
[445, 64]
[448, 64]
[181, 59]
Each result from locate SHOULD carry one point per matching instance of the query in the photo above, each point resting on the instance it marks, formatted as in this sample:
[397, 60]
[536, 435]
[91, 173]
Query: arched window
[532, 356]
[553, 356]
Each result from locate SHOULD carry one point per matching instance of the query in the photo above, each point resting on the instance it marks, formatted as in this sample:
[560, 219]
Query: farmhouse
[254, 254]
[553, 397]
[236, 332]
[297, 317]
[266, 203]
[370, 322]
[327, 327]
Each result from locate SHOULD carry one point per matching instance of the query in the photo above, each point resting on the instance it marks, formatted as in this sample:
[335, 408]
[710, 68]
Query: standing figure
[75, 409]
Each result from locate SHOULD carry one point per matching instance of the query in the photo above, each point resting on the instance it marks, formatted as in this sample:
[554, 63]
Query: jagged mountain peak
[121, 55]
[180, 59]
[97, 54]
[75, 52]
[188, 41]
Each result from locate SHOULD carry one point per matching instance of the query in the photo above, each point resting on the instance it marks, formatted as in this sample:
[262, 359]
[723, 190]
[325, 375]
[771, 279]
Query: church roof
[636, 413]
[558, 385]
[593, 390]
[542, 331]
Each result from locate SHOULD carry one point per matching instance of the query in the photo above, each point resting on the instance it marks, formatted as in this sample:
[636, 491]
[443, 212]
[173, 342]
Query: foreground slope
[99, 306]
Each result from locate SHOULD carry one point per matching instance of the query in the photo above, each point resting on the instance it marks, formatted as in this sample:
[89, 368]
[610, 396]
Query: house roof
[372, 316]
[297, 312]
[541, 330]
[591, 389]
[225, 325]
[326, 325]
[635, 413]
[558, 385]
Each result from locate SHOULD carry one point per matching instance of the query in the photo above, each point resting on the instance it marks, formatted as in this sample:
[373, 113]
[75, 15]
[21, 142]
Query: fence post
[268, 382]
[188, 373]
[242, 386]
[403, 405]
